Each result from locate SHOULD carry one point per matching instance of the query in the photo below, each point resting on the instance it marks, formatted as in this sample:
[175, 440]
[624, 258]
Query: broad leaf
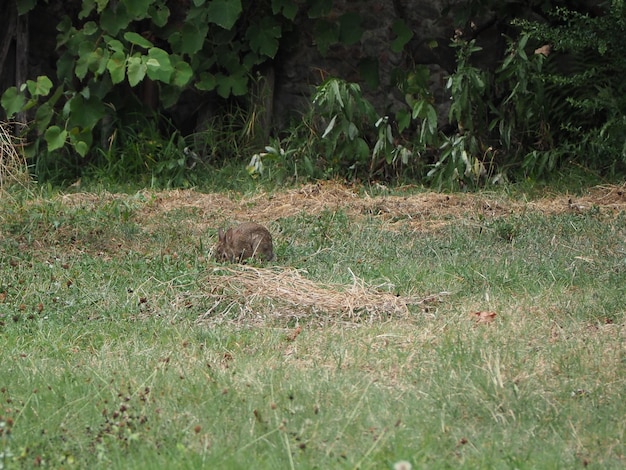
[117, 67]
[368, 69]
[403, 118]
[81, 139]
[320, 8]
[403, 35]
[192, 38]
[207, 82]
[24, 6]
[55, 138]
[88, 6]
[350, 29]
[326, 34]
[85, 113]
[138, 9]
[182, 74]
[12, 101]
[137, 39]
[236, 84]
[136, 70]
[224, 13]
[114, 44]
[90, 28]
[264, 36]
[289, 8]
[115, 19]
[41, 87]
[159, 14]
[43, 116]
[159, 66]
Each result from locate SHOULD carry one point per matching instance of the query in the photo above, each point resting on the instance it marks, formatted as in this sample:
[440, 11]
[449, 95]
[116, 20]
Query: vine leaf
[236, 84]
[403, 35]
[137, 39]
[55, 138]
[264, 36]
[136, 70]
[116, 66]
[12, 101]
[350, 29]
[289, 8]
[224, 13]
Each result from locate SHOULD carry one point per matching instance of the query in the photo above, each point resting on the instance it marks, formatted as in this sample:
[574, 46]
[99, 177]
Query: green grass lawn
[121, 348]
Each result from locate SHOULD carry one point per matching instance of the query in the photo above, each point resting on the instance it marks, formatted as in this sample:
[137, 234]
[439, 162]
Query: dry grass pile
[425, 211]
[249, 294]
[13, 168]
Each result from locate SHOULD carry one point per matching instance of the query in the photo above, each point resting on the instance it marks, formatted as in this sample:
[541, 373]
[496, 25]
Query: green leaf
[158, 65]
[264, 36]
[88, 6]
[182, 74]
[320, 8]
[43, 116]
[82, 66]
[207, 82]
[136, 70]
[65, 67]
[41, 87]
[169, 95]
[368, 69]
[81, 140]
[85, 113]
[289, 8]
[403, 35]
[97, 60]
[159, 13]
[55, 137]
[102, 4]
[81, 148]
[236, 84]
[362, 149]
[138, 9]
[114, 44]
[137, 39]
[90, 28]
[116, 66]
[403, 118]
[12, 101]
[24, 6]
[192, 38]
[224, 13]
[325, 34]
[350, 29]
[115, 18]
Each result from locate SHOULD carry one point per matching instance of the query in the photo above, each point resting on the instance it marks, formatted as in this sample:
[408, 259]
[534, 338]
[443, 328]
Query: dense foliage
[123, 64]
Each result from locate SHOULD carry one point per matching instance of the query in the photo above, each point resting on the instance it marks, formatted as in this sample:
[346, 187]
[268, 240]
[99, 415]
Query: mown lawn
[124, 345]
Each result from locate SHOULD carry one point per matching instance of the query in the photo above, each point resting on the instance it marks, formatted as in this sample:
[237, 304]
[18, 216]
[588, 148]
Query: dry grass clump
[422, 211]
[13, 168]
[252, 294]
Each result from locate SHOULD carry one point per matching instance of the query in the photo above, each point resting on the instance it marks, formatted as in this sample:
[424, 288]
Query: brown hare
[244, 241]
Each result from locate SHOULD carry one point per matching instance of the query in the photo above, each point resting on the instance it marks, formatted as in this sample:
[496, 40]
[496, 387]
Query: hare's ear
[220, 234]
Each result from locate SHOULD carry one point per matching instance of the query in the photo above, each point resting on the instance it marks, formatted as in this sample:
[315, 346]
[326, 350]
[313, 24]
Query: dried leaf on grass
[484, 317]
[249, 293]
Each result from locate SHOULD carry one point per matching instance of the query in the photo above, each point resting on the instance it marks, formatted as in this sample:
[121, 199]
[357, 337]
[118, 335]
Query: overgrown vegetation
[554, 98]
[125, 346]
